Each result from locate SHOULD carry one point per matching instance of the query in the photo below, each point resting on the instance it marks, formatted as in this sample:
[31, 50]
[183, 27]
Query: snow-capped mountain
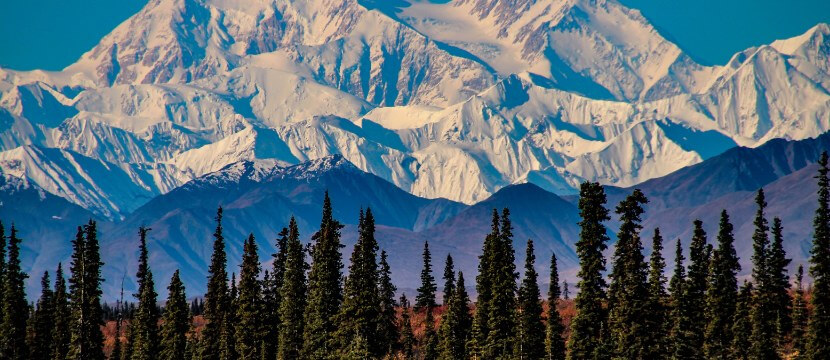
[450, 99]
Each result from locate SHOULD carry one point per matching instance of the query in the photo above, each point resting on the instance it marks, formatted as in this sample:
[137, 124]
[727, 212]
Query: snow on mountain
[596, 48]
[46, 223]
[107, 189]
[451, 99]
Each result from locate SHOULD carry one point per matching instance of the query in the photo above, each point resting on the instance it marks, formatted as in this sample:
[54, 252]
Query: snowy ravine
[454, 100]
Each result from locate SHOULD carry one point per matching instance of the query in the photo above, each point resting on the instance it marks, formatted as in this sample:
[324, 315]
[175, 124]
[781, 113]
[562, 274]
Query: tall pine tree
[44, 320]
[722, 293]
[694, 294]
[679, 316]
[60, 329]
[15, 308]
[249, 307]
[484, 280]
[325, 286]
[425, 298]
[554, 340]
[85, 292]
[657, 326]
[449, 279]
[587, 326]
[145, 321]
[742, 326]
[502, 323]
[271, 285]
[359, 316]
[530, 342]
[819, 326]
[799, 316]
[407, 335]
[429, 343]
[628, 291]
[456, 325]
[763, 313]
[216, 298]
[293, 295]
[387, 326]
[176, 322]
[779, 281]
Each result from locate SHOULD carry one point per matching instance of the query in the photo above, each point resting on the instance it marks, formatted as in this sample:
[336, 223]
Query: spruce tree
[657, 325]
[530, 337]
[60, 329]
[799, 316]
[722, 293]
[387, 324]
[271, 285]
[249, 307]
[763, 314]
[15, 307]
[325, 286]
[43, 321]
[359, 316]
[227, 341]
[502, 323]
[293, 295]
[176, 322]
[554, 339]
[87, 341]
[429, 344]
[216, 297]
[679, 309]
[566, 293]
[269, 341]
[587, 325]
[456, 325]
[819, 325]
[407, 335]
[127, 352]
[779, 281]
[425, 298]
[628, 291]
[484, 280]
[694, 293]
[449, 279]
[145, 321]
[742, 325]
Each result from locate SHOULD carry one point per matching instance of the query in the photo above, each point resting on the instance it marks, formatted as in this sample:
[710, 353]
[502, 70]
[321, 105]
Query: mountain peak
[324, 164]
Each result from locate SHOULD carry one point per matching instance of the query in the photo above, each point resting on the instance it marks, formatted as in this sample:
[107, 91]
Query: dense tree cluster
[305, 307]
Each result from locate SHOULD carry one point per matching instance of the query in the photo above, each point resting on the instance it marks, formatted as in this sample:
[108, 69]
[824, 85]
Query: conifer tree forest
[308, 304]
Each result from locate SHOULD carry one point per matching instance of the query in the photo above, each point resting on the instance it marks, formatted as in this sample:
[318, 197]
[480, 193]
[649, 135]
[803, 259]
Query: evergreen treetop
[531, 329]
[249, 307]
[591, 318]
[628, 291]
[325, 286]
[425, 298]
[449, 279]
[819, 325]
[176, 321]
[15, 307]
[554, 340]
[293, 295]
[217, 301]
[145, 323]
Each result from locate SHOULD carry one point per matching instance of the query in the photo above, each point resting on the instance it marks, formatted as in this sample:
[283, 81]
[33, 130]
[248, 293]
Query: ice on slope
[107, 189]
[299, 80]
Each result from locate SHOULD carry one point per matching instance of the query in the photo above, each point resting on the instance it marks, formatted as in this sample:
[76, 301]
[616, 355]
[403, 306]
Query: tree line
[305, 307]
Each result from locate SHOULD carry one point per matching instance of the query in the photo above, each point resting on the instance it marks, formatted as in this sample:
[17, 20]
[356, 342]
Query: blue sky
[50, 34]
